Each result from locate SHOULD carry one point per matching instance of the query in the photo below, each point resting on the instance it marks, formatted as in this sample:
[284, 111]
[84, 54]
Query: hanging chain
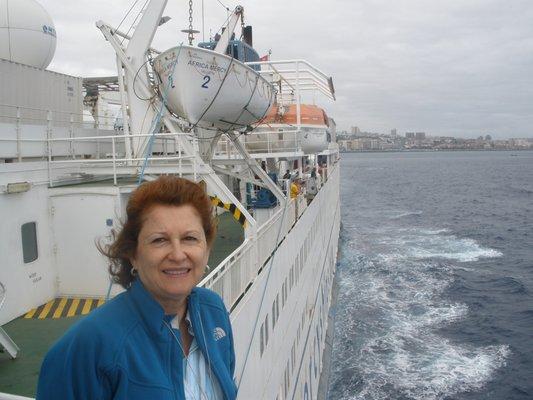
[242, 23]
[191, 32]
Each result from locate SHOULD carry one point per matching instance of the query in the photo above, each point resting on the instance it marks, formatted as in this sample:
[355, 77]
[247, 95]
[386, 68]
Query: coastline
[431, 150]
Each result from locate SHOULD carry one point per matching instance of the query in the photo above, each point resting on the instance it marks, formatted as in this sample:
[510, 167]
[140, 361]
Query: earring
[133, 272]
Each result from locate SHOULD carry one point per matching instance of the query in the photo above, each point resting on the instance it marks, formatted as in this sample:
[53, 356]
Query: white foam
[433, 231]
[404, 214]
[426, 244]
[390, 308]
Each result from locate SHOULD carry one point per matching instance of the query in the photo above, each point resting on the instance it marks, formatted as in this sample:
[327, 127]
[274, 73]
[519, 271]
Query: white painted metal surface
[8, 344]
[98, 211]
[297, 280]
[314, 139]
[5, 341]
[274, 138]
[31, 93]
[211, 89]
[28, 284]
[27, 33]
[7, 396]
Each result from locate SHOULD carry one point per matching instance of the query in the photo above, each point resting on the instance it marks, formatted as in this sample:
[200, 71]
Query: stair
[8, 344]
[5, 341]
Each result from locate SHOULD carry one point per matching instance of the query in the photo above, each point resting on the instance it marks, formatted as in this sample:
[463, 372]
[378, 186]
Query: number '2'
[207, 78]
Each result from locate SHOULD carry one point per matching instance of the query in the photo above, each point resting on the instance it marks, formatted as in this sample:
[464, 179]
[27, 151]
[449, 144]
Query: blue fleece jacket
[123, 350]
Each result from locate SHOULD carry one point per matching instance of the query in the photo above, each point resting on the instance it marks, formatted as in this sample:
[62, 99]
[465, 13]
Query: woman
[163, 338]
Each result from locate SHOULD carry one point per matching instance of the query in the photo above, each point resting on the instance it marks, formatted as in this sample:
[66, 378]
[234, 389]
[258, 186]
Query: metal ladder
[6, 342]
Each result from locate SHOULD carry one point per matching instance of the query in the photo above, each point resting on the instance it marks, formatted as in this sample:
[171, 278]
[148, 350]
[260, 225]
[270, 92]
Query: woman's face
[171, 253]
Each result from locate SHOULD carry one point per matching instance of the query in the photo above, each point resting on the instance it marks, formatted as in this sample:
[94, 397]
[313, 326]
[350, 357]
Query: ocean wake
[425, 244]
[390, 309]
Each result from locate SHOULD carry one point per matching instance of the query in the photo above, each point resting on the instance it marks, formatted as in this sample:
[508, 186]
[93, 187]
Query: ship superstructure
[66, 177]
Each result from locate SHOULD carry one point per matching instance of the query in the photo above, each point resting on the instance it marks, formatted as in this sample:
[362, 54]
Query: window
[29, 242]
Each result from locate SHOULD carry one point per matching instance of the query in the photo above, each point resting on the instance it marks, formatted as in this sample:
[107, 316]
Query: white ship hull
[211, 89]
[291, 326]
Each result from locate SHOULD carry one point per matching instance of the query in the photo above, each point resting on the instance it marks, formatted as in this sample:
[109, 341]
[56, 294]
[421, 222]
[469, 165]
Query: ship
[72, 150]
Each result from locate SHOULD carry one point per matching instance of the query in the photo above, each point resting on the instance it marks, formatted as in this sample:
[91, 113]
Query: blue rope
[156, 122]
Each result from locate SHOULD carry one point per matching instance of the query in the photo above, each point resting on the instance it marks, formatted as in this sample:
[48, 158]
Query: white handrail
[254, 250]
[7, 396]
[2, 295]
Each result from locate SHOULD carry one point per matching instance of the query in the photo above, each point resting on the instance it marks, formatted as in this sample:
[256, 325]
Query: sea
[435, 277]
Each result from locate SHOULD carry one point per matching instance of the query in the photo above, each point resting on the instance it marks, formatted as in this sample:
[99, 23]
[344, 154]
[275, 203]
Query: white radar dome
[27, 33]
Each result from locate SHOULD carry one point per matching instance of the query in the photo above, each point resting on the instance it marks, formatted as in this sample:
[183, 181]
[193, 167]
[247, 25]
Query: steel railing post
[180, 162]
[49, 144]
[97, 126]
[17, 129]
[71, 135]
[114, 162]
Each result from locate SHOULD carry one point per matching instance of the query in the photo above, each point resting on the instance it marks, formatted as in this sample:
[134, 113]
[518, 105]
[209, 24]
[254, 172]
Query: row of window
[324, 289]
[291, 280]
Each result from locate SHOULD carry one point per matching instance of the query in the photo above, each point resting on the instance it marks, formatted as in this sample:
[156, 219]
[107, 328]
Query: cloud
[454, 68]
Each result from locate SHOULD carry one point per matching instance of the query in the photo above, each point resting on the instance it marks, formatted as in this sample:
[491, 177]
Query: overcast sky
[449, 67]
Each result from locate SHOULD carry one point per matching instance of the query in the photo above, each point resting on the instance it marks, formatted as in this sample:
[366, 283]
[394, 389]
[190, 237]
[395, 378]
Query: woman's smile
[172, 253]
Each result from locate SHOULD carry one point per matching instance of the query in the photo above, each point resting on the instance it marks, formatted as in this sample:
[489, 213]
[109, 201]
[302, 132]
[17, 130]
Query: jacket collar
[151, 312]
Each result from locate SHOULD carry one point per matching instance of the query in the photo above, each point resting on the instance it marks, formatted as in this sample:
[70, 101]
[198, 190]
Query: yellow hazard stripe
[64, 307]
[60, 307]
[230, 207]
[46, 310]
[72, 310]
[86, 307]
[30, 313]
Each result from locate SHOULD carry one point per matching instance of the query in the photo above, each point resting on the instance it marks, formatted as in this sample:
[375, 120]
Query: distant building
[488, 137]
[393, 132]
[410, 135]
[420, 135]
[355, 130]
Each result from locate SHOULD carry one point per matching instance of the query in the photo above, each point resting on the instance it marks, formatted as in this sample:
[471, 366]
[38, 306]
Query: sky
[459, 68]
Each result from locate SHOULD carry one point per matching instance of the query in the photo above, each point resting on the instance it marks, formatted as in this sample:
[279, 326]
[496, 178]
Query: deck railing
[170, 152]
[105, 153]
[232, 276]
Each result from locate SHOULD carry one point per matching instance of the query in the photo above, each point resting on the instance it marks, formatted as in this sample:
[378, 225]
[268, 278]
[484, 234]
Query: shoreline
[431, 150]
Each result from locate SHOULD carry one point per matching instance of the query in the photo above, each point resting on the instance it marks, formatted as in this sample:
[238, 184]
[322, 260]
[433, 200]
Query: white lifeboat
[278, 131]
[212, 90]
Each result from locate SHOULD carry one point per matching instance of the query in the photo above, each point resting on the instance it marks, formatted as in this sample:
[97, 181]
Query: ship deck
[34, 336]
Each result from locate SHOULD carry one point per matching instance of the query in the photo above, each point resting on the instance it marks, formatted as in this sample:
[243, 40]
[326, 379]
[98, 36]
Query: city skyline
[397, 132]
[357, 140]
